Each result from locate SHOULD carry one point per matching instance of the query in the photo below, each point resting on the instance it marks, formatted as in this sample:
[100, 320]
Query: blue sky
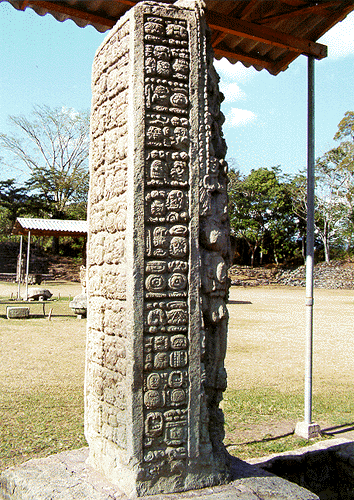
[49, 63]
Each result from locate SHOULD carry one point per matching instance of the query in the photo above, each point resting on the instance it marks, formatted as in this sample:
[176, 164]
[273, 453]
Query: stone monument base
[66, 476]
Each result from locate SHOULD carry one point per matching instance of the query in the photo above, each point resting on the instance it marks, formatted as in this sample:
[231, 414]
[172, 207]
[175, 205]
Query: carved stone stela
[158, 252]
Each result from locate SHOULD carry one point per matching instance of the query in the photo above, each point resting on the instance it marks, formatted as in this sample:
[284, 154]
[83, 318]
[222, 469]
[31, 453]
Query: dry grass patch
[38, 423]
[41, 379]
[265, 366]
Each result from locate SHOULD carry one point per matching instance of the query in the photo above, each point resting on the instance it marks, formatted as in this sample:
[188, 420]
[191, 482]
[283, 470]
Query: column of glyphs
[166, 362]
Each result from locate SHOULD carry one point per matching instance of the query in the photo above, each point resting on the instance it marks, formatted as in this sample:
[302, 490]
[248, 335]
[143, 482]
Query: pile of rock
[253, 276]
[336, 274]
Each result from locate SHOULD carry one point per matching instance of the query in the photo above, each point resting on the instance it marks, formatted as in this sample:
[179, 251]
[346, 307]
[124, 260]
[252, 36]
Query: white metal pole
[28, 262]
[307, 429]
[310, 239]
[19, 269]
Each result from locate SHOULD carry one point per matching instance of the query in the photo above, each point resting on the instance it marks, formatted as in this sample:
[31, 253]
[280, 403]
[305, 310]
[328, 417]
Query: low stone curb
[326, 467]
[66, 476]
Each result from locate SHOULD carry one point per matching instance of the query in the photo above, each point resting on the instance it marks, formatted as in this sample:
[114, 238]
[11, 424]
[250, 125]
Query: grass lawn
[41, 378]
[42, 371]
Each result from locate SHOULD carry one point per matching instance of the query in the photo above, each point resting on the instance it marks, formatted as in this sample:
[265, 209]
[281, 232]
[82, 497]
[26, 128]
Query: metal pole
[28, 262]
[19, 269]
[310, 238]
[307, 429]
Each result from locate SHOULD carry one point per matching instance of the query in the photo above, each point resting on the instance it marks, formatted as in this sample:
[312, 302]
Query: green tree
[346, 127]
[330, 207]
[13, 199]
[346, 167]
[297, 186]
[331, 201]
[53, 148]
[335, 189]
[16, 201]
[260, 212]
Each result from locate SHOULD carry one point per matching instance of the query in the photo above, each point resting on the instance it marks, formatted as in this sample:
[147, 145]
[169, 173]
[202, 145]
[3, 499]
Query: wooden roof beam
[264, 34]
[312, 9]
[345, 8]
[294, 3]
[127, 2]
[23, 5]
[219, 38]
[282, 64]
[248, 9]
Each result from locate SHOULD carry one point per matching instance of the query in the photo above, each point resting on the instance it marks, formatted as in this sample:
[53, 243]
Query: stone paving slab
[66, 476]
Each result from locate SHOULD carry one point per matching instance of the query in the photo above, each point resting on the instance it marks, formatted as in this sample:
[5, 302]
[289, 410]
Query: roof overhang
[50, 227]
[264, 34]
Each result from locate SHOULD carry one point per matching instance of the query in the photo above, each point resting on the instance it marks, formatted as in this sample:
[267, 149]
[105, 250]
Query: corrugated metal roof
[50, 227]
[266, 34]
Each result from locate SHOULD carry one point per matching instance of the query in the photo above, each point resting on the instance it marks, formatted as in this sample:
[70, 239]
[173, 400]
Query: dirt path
[267, 337]
[266, 346]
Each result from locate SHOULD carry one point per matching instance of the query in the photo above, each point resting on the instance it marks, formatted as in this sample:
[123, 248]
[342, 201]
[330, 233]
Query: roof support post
[28, 261]
[308, 429]
[19, 269]
[310, 238]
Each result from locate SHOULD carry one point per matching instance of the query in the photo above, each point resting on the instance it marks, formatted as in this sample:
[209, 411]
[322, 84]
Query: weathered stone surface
[79, 304]
[39, 294]
[158, 253]
[17, 312]
[67, 476]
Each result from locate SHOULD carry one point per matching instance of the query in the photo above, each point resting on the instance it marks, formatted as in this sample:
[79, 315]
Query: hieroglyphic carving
[166, 244]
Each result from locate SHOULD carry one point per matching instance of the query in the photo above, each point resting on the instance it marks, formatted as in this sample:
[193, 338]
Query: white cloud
[231, 91]
[233, 72]
[231, 75]
[340, 38]
[239, 117]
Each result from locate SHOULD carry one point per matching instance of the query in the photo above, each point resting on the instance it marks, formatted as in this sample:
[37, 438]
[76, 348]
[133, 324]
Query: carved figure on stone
[216, 258]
